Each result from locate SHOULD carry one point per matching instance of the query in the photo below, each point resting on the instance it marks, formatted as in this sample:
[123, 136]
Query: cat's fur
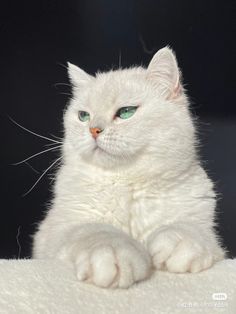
[136, 196]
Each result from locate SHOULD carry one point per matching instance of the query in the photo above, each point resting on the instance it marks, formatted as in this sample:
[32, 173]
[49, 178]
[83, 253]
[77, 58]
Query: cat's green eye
[126, 112]
[84, 116]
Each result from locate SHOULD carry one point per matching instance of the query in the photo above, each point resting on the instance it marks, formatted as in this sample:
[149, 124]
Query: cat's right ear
[77, 76]
[163, 72]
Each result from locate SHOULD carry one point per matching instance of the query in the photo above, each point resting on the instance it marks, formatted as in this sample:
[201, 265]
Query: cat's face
[116, 117]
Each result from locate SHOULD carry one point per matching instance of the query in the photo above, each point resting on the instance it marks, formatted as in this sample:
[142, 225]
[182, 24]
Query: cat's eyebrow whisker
[42, 175]
[37, 154]
[31, 132]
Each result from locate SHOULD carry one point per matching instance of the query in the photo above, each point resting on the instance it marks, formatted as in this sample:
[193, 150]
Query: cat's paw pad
[177, 251]
[112, 266]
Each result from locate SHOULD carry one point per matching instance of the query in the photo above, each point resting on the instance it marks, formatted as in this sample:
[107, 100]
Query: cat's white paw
[178, 251]
[113, 261]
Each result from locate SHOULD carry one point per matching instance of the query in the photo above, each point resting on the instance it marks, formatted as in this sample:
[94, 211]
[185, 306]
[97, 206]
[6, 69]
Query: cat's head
[121, 117]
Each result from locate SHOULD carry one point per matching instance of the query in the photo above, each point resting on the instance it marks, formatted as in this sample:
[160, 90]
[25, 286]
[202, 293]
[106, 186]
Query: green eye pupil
[126, 112]
[84, 116]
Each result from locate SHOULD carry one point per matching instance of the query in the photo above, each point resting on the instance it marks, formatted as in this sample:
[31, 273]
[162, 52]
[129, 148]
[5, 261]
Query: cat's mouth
[98, 148]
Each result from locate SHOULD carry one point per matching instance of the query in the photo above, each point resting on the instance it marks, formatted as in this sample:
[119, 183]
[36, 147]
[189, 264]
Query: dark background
[36, 40]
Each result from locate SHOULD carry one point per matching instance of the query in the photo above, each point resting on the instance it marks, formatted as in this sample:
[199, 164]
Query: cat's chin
[104, 158]
[100, 157]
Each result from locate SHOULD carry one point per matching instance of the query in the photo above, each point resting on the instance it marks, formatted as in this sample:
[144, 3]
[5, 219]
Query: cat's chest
[131, 206]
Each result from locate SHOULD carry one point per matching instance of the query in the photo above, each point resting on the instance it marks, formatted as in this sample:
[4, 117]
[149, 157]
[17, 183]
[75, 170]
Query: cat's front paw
[111, 262]
[178, 251]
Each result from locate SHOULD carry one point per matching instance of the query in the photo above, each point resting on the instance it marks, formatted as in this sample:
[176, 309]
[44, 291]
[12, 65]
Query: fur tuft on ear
[77, 76]
[163, 72]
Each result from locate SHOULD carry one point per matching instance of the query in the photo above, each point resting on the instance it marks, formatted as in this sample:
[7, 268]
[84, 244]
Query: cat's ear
[163, 71]
[77, 76]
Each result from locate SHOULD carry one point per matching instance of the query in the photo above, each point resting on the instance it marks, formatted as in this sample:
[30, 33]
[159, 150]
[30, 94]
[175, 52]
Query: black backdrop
[36, 40]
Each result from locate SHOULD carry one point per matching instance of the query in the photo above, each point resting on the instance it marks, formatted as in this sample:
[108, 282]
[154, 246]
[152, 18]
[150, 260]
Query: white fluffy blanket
[40, 286]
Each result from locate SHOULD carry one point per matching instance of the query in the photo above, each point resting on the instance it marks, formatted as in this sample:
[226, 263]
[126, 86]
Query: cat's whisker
[57, 137]
[62, 65]
[42, 175]
[52, 144]
[67, 94]
[31, 167]
[62, 84]
[33, 133]
[35, 155]
[120, 59]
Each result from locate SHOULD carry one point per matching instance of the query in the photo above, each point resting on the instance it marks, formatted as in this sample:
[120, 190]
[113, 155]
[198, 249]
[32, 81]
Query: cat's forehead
[116, 86]
[119, 78]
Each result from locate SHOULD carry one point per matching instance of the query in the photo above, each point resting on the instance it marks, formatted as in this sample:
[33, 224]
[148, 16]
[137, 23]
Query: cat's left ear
[163, 71]
[77, 76]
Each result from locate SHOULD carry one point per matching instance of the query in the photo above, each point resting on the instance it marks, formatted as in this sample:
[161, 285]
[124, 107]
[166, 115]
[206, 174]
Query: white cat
[131, 193]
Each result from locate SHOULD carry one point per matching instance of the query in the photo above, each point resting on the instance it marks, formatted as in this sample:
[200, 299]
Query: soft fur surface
[51, 287]
[136, 195]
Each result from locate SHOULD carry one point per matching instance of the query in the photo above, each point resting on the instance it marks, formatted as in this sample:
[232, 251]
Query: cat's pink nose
[95, 132]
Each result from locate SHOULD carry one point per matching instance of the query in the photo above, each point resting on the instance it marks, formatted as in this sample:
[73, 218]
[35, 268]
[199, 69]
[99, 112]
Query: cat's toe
[104, 266]
[201, 263]
[161, 246]
[83, 269]
[97, 267]
[133, 265]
